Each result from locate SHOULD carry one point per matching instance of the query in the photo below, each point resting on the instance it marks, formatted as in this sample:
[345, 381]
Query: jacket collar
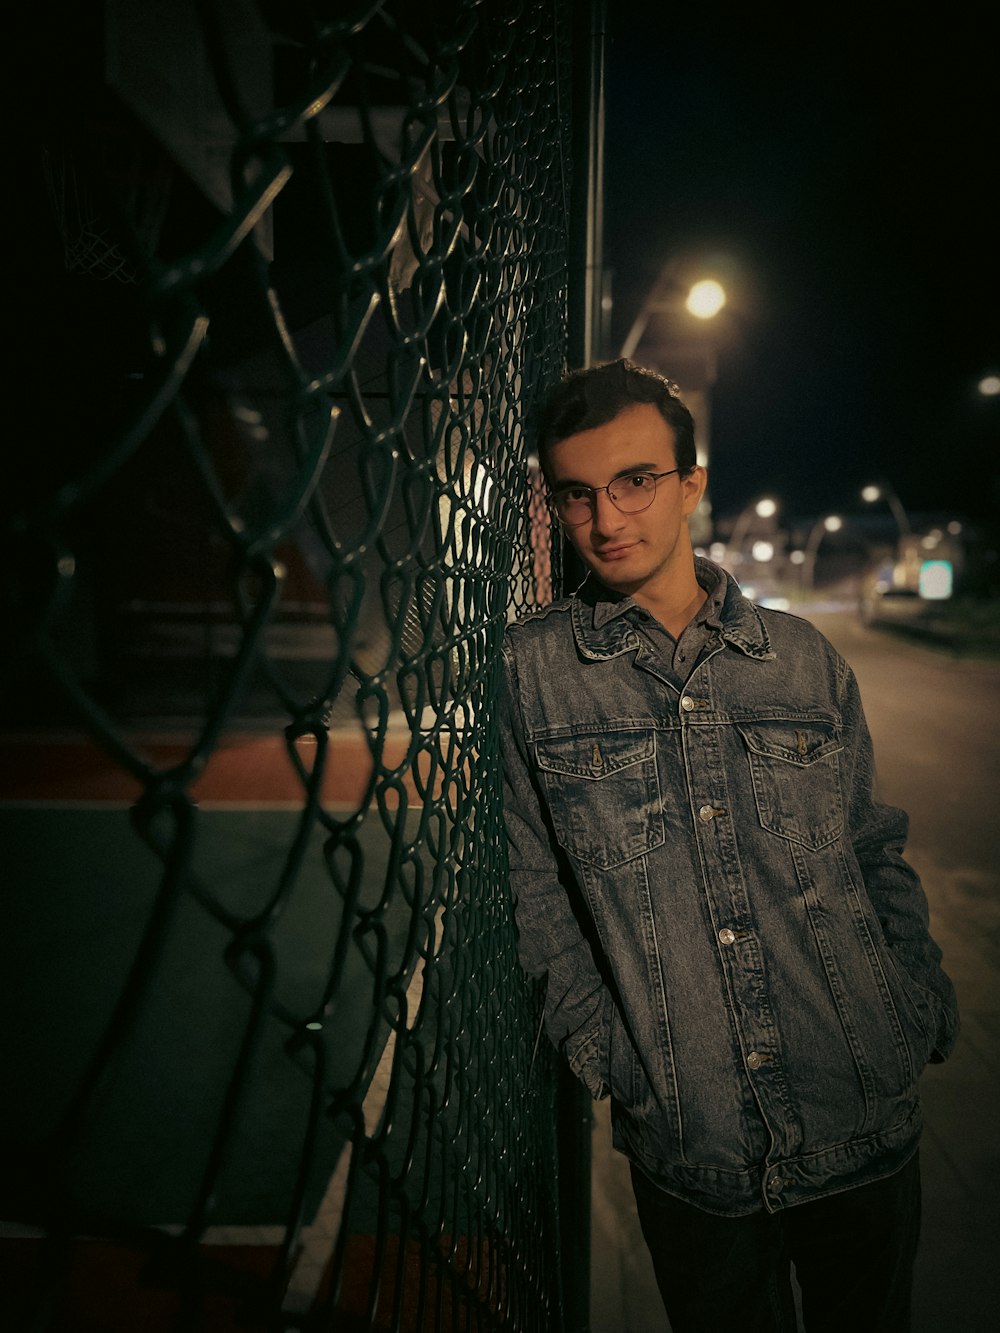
[601, 632]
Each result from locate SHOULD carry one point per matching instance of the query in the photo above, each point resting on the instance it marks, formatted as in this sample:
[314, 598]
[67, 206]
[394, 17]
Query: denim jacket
[735, 950]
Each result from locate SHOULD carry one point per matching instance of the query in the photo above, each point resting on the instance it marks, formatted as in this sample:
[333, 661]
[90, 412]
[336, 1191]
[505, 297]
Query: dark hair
[594, 396]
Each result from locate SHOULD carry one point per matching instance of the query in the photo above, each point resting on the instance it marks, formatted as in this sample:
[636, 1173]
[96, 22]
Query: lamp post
[764, 507]
[830, 523]
[703, 299]
[675, 332]
[883, 491]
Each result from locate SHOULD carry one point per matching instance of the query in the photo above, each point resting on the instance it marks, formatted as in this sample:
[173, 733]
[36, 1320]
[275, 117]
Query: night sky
[843, 180]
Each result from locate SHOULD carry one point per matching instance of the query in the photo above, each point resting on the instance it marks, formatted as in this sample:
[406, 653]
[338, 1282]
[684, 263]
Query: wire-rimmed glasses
[577, 504]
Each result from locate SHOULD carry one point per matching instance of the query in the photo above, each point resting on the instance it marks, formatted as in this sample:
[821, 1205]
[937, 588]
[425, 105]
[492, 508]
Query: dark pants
[853, 1255]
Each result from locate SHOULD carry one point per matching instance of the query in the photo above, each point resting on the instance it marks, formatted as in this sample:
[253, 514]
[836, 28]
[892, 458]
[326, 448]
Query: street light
[704, 299]
[765, 507]
[872, 493]
[831, 523]
[677, 333]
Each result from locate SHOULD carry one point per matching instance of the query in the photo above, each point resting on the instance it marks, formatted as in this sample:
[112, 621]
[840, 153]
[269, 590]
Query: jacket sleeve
[878, 834]
[551, 941]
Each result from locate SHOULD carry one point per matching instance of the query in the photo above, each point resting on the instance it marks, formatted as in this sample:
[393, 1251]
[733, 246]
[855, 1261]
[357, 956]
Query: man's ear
[693, 488]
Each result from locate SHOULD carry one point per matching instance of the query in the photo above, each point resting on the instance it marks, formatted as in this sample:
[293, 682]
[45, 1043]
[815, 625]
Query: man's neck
[674, 603]
[675, 615]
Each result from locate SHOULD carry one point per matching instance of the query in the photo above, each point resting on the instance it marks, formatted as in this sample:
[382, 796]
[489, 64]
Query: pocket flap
[794, 742]
[594, 755]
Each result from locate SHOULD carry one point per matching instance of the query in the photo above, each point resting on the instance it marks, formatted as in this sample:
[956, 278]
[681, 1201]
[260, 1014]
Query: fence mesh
[299, 276]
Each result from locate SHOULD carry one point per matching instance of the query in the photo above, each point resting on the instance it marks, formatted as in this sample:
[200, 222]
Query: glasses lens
[633, 493]
[575, 506]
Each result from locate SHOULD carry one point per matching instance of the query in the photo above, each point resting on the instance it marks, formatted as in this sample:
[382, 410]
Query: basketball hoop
[92, 226]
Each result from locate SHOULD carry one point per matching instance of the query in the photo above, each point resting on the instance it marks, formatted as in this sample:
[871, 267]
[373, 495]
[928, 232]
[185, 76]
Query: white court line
[319, 1239]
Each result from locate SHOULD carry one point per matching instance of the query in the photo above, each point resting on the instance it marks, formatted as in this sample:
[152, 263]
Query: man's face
[638, 554]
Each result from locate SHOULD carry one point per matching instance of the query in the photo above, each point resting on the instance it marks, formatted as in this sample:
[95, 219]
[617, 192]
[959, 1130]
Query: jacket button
[727, 936]
[755, 1060]
[775, 1184]
[706, 813]
[687, 703]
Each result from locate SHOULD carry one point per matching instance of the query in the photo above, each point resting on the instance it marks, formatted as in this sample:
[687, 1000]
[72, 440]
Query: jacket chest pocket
[603, 794]
[796, 779]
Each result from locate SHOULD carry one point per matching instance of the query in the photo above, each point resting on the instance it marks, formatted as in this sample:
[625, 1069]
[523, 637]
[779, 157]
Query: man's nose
[607, 519]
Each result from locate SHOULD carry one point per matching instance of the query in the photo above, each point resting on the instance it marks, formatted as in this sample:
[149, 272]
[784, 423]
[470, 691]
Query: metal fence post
[586, 288]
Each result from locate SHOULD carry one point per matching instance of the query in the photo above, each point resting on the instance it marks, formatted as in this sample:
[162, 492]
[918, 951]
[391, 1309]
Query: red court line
[250, 769]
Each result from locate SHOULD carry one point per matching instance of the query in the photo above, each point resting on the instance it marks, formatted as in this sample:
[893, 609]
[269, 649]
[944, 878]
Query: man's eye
[638, 479]
[575, 493]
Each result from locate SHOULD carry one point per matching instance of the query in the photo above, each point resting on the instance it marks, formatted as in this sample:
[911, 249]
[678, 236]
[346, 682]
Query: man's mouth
[617, 552]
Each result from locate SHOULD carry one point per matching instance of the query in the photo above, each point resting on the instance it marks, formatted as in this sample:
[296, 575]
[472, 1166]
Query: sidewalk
[623, 1294]
[957, 1285]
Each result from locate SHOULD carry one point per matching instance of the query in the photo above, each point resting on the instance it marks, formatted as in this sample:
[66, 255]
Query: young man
[735, 950]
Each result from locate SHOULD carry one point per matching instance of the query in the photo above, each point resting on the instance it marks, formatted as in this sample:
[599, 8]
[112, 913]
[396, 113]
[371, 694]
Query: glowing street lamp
[705, 299]
[678, 331]
[988, 386]
[872, 493]
[765, 507]
[830, 523]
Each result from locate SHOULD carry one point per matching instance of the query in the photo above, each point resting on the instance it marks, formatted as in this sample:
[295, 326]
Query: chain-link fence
[299, 273]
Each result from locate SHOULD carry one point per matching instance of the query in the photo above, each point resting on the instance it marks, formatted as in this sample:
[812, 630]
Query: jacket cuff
[584, 1060]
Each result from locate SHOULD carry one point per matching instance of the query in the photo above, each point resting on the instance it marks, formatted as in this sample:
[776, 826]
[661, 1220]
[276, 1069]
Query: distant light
[833, 522]
[706, 298]
[762, 552]
[954, 527]
[717, 552]
[989, 386]
[871, 493]
[936, 579]
[797, 557]
[766, 508]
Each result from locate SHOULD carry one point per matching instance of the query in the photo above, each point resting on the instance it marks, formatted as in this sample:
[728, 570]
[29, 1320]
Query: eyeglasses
[631, 494]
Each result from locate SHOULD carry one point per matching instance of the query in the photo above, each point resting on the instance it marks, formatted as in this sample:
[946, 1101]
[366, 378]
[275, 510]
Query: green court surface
[80, 889]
